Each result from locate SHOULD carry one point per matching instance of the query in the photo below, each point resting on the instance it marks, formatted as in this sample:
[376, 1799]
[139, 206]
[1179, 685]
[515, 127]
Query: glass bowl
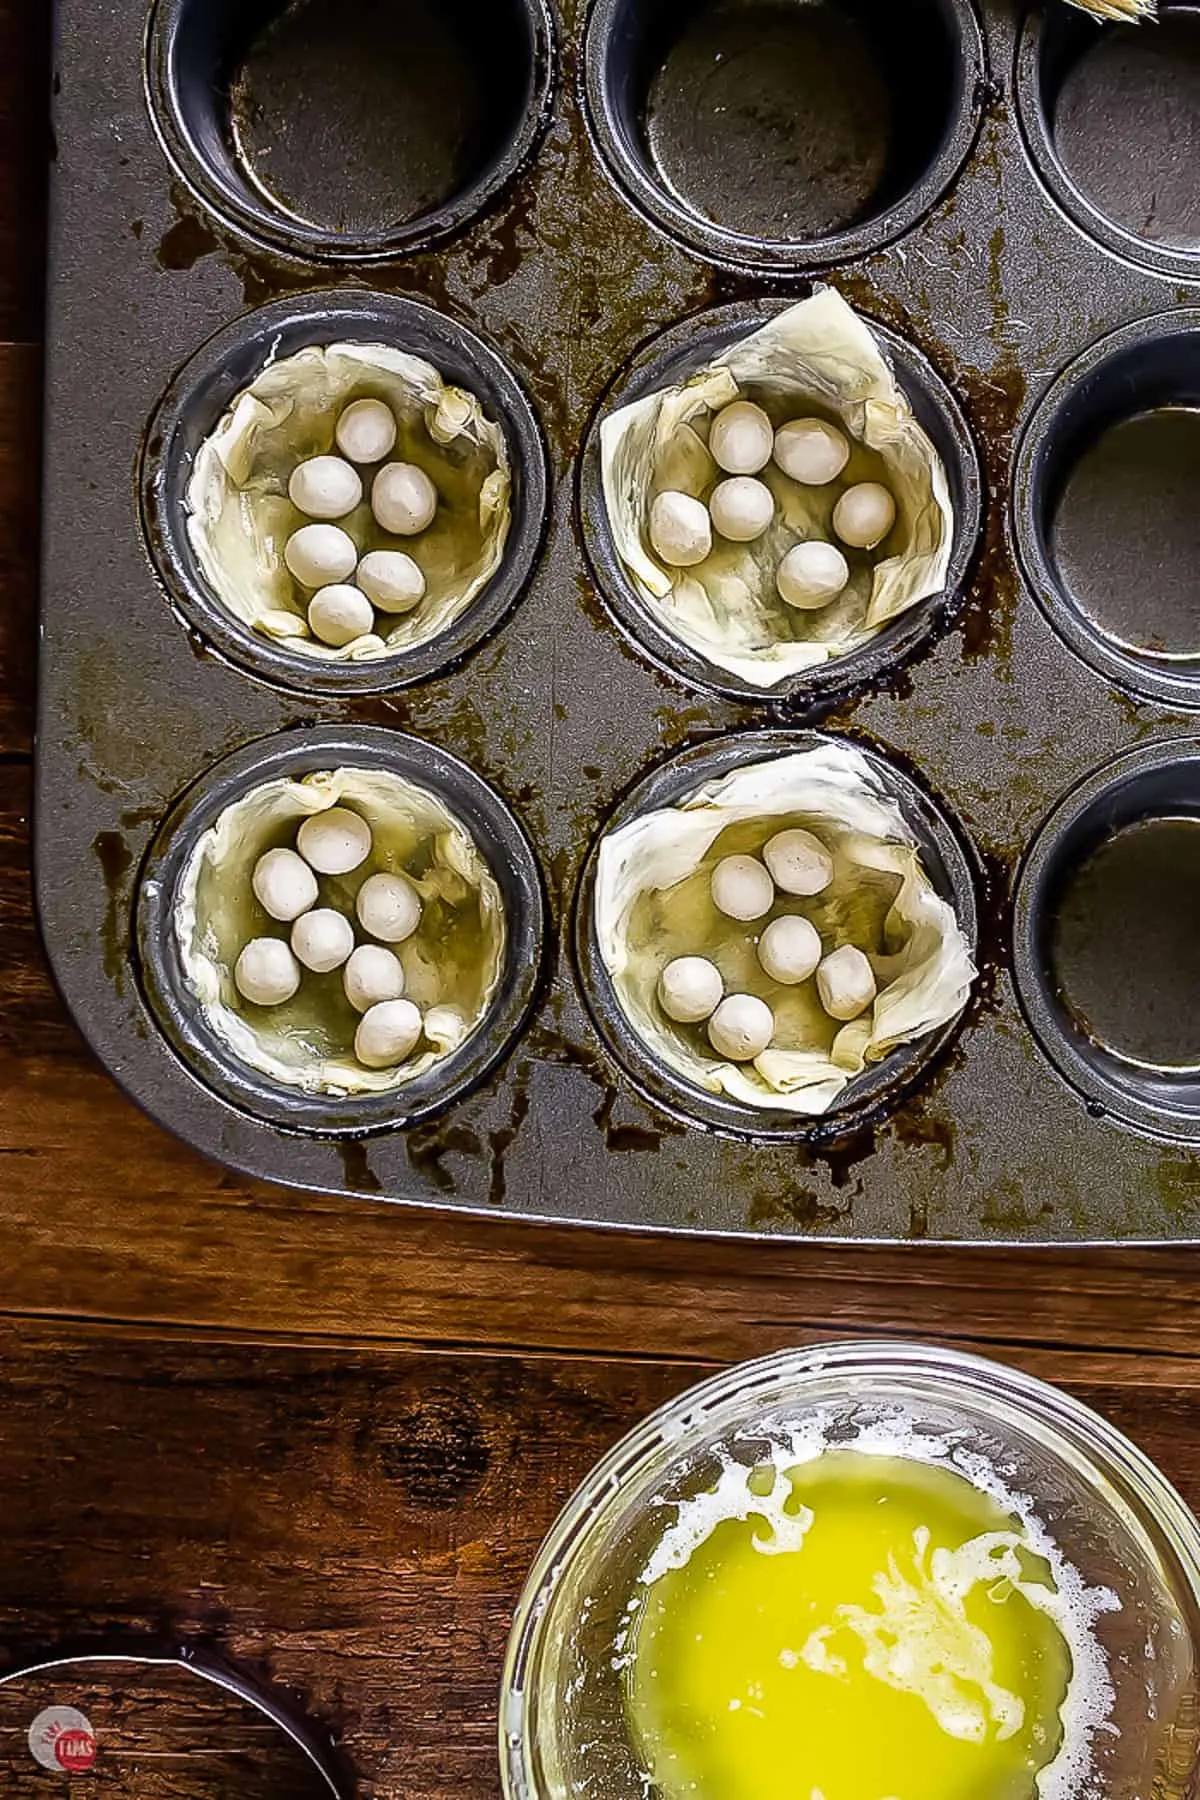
[1113, 1516]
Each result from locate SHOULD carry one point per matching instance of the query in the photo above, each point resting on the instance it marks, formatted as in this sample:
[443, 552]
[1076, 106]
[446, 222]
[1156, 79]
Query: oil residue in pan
[1125, 947]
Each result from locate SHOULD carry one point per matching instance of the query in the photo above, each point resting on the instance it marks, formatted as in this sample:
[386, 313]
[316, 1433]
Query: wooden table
[330, 1435]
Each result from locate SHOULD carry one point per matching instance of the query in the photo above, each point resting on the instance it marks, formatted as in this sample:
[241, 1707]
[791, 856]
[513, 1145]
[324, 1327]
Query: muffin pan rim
[1062, 1046]
[163, 516]
[258, 223]
[899, 642]
[702, 238]
[297, 752]
[670, 780]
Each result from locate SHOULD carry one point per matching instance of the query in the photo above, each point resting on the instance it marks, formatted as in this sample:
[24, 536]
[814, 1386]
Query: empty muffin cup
[1083, 85]
[221, 513]
[1106, 949]
[902, 882]
[291, 845]
[674, 359]
[780, 135]
[345, 129]
[1106, 506]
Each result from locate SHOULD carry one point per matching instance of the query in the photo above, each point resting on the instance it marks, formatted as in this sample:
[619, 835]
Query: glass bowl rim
[1105, 1449]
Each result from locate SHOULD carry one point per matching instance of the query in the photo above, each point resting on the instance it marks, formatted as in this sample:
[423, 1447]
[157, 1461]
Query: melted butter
[856, 1627]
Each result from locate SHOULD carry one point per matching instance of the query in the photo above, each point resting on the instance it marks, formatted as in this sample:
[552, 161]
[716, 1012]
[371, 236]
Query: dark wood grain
[330, 1435]
[159, 1732]
[20, 437]
[24, 146]
[357, 1520]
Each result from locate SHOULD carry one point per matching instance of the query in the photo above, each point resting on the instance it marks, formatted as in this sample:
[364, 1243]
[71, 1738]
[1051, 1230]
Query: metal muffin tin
[219, 139]
[1157, 783]
[995, 244]
[931, 80]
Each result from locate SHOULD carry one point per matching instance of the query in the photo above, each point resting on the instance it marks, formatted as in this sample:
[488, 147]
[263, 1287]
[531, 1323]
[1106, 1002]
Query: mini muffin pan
[341, 127]
[560, 207]
[1106, 951]
[1106, 498]
[691, 106]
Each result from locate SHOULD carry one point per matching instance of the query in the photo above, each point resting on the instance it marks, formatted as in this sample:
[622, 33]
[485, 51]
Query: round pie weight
[690, 989]
[387, 1033]
[334, 842]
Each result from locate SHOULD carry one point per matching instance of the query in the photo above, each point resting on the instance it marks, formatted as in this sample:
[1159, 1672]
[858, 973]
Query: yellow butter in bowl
[856, 1627]
[861, 1572]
